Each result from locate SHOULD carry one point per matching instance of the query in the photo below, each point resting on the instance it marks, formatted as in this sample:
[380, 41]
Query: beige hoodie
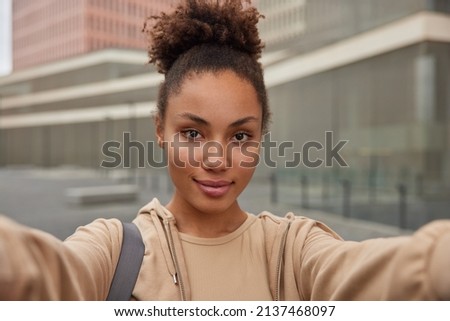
[307, 261]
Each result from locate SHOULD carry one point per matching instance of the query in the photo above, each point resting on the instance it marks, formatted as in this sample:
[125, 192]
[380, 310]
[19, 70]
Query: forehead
[219, 95]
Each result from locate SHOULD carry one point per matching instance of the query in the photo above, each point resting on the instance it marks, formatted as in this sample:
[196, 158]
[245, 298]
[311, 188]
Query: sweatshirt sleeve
[35, 265]
[412, 267]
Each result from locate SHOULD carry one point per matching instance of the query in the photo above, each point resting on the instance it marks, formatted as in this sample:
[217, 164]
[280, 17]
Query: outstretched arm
[413, 267]
[36, 266]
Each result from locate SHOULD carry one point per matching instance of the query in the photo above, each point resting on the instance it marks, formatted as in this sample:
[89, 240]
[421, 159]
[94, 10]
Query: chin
[214, 205]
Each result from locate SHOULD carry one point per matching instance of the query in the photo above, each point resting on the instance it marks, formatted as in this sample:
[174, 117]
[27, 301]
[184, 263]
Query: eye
[241, 137]
[191, 134]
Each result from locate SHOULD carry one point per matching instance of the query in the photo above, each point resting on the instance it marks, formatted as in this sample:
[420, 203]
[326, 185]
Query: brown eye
[191, 134]
[241, 137]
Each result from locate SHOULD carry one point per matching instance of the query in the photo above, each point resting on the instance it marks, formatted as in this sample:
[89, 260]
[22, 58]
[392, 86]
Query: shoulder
[289, 219]
[294, 225]
[103, 232]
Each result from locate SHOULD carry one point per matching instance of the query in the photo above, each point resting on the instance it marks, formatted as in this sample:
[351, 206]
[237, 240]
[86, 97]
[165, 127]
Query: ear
[159, 125]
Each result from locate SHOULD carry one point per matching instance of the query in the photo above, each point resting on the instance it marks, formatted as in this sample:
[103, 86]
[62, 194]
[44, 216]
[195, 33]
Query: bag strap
[129, 264]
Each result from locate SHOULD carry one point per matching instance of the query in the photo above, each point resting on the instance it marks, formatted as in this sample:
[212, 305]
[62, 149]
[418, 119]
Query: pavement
[37, 198]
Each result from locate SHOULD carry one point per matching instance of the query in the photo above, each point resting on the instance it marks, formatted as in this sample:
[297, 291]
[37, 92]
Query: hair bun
[228, 23]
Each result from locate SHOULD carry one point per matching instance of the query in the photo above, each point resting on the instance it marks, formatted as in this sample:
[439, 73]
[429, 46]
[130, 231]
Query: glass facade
[392, 110]
[304, 25]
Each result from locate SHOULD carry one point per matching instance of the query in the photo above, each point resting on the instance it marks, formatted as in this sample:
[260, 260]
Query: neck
[194, 222]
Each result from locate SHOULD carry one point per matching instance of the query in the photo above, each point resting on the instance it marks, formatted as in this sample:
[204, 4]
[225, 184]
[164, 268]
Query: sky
[5, 37]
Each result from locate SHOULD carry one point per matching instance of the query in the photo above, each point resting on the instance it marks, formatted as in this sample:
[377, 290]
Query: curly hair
[207, 36]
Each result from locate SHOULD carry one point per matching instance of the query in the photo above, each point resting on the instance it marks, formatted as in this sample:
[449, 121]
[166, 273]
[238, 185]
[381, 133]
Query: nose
[215, 156]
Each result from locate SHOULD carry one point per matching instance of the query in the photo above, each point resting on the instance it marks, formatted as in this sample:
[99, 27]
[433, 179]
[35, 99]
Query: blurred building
[5, 37]
[375, 73]
[51, 30]
[61, 113]
[80, 75]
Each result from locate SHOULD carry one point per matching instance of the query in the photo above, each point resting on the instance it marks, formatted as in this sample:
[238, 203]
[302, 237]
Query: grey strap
[129, 264]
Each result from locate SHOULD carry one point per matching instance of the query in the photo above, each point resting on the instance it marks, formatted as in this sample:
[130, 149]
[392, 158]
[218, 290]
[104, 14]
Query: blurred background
[375, 73]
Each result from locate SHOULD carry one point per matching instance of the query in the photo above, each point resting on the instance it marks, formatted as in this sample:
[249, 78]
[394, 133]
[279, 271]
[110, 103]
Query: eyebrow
[194, 118]
[202, 121]
[243, 121]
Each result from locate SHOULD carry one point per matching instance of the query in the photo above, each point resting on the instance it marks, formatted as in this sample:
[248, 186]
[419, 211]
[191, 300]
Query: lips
[214, 188]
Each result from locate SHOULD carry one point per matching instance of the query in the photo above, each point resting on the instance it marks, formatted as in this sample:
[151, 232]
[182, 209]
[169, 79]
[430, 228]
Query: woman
[212, 112]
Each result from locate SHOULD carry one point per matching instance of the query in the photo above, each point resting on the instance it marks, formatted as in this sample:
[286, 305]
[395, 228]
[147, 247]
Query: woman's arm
[37, 266]
[414, 267]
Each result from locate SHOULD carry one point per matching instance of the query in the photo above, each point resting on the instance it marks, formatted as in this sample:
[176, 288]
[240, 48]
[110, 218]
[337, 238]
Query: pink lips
[214, 188]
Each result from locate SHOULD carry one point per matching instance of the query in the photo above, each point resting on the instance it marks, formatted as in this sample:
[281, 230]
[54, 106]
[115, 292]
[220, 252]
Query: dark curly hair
[207, 36]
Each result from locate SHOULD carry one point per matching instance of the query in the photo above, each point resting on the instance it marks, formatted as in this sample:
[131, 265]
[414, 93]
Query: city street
[37, 198]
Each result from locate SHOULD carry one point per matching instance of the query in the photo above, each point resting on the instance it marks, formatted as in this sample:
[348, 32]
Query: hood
[164, 223]
[156, 207]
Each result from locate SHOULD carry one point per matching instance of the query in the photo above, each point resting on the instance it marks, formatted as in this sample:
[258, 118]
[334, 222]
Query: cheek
[184, 155]
[246, 157]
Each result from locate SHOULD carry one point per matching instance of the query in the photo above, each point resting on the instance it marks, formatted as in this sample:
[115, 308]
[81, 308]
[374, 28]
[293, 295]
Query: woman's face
[211, 132]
